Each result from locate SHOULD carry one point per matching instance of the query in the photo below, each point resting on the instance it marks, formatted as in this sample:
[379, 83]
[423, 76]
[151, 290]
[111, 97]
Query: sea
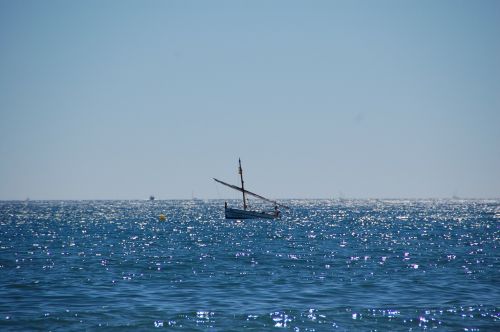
[325, 265]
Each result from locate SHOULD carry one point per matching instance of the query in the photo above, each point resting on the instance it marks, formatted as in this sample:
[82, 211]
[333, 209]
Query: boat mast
[242, 187]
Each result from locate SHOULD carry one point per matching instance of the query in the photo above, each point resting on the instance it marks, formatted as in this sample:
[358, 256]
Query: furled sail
[250, 193]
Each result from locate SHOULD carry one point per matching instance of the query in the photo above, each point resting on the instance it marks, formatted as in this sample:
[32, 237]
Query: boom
[250, 193]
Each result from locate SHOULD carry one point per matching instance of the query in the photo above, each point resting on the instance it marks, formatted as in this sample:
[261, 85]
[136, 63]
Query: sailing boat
[231, 213]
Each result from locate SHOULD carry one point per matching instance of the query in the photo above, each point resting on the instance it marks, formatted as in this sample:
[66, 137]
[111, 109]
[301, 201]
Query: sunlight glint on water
[344, 265]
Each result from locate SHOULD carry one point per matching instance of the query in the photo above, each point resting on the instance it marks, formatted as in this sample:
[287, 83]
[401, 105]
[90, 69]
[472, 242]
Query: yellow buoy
[162, 217]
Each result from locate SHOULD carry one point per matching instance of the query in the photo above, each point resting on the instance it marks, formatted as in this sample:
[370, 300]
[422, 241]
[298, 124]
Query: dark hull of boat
[246, 214]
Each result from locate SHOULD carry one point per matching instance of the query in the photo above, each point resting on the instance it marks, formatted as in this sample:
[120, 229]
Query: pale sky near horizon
[320, 99]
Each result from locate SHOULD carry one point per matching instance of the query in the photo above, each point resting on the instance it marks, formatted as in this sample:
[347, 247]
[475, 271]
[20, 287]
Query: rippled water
[326, 265]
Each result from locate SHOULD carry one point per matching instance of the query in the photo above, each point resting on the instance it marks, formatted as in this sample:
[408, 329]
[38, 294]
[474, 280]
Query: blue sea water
[351, 265]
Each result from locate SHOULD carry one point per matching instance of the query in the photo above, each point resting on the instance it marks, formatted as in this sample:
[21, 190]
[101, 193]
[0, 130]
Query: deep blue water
[326, 265]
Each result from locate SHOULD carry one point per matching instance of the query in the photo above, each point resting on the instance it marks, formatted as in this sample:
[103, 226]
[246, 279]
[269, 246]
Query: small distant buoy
[162, 217]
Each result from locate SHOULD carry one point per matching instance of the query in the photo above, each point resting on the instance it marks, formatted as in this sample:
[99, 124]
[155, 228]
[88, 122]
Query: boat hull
[247, 214]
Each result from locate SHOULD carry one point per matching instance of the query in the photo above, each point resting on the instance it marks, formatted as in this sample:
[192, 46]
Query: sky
[319, 99]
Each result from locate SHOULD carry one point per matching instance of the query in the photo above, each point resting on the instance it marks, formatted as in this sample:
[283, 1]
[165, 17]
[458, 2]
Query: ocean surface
[350, 265]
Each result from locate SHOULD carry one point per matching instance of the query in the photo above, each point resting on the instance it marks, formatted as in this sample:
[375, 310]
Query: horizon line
[235, 199]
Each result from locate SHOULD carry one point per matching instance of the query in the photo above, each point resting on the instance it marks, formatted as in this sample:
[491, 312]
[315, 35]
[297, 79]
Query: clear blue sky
[123, 99]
